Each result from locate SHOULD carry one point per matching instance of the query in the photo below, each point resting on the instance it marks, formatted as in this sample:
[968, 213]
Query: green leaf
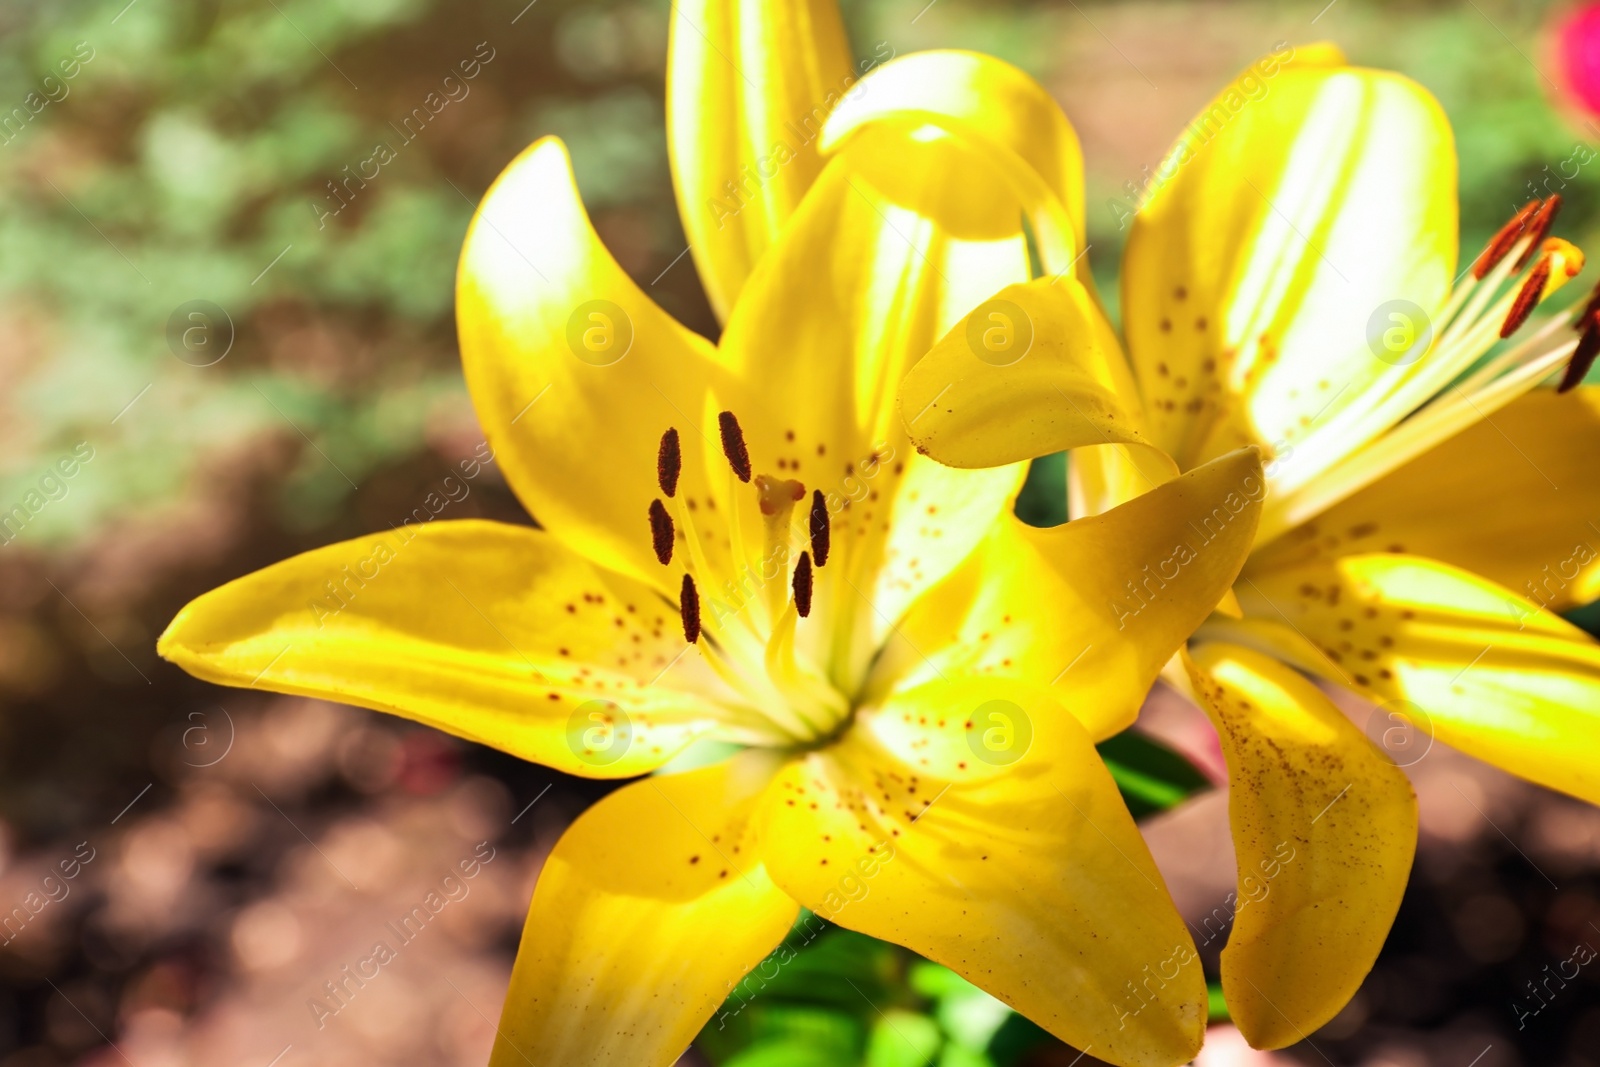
[969, 1016]
[1016, 1040]
[1151, 776]
[903, 1039]
[774, 1025]
[1216, 1004]
[957, 1056]
[790, 1053]
[1043, 500]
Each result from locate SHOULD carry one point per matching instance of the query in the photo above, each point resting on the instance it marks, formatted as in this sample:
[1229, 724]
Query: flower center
[762, 639]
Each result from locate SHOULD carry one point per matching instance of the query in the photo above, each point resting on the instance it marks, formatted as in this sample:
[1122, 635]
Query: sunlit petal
[1022, 871]
[1306, 199]
[574, 372]
[1534, 460]
[1324, 828]
[492, 632]
[1468, 661]
[749, 85]
[996, 107]
[1037, 369]
[1095, 607]
[649, 910]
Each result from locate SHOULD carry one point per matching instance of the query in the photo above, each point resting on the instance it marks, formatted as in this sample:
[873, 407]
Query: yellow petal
[1470, 662]
[890, 249]
[1305, 201]
[1095, 607]
[491, 632]
[1033, 370]
[650, 909]
[749, 85]
[996, 107]
[1513, 499]
[1023, 871]
[574, 372]
[1324, 828]
[1099, 477]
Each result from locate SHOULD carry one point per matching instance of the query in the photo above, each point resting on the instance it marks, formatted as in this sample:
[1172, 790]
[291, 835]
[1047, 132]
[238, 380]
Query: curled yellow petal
[992, 105]
[1093, 608]
[1034, 369]
[1324, 829]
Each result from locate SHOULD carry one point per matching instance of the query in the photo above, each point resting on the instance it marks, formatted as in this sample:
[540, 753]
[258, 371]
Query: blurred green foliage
[186, 158]
[842, 999]
[179, 165]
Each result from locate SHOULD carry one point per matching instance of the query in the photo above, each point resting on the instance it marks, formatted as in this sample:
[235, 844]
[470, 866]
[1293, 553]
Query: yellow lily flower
[737, 544]
[1291, 282]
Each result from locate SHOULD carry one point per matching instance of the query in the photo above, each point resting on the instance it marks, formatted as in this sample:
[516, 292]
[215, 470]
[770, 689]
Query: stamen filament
[784, 668]
[744, 635]
[1486, 289]
[773, 709]
[1404, 443]
[1511, 357]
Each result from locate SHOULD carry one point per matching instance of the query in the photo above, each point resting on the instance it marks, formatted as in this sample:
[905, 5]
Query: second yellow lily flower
[1291, 282]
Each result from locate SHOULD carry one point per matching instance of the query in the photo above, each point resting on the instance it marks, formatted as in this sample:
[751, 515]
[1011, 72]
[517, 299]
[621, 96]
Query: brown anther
[1539, 228]
[689, 609]
[1501, 243]
[733, 445]
[802, 585]
[820, 530]
[669, 463]
[1583, 356]
[661, 532]
[1581, 323]
[1527, 299]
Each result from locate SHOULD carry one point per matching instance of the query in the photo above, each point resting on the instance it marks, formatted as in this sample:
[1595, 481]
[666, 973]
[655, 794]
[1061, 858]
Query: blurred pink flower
[1578, 51]
[1226, 1047]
